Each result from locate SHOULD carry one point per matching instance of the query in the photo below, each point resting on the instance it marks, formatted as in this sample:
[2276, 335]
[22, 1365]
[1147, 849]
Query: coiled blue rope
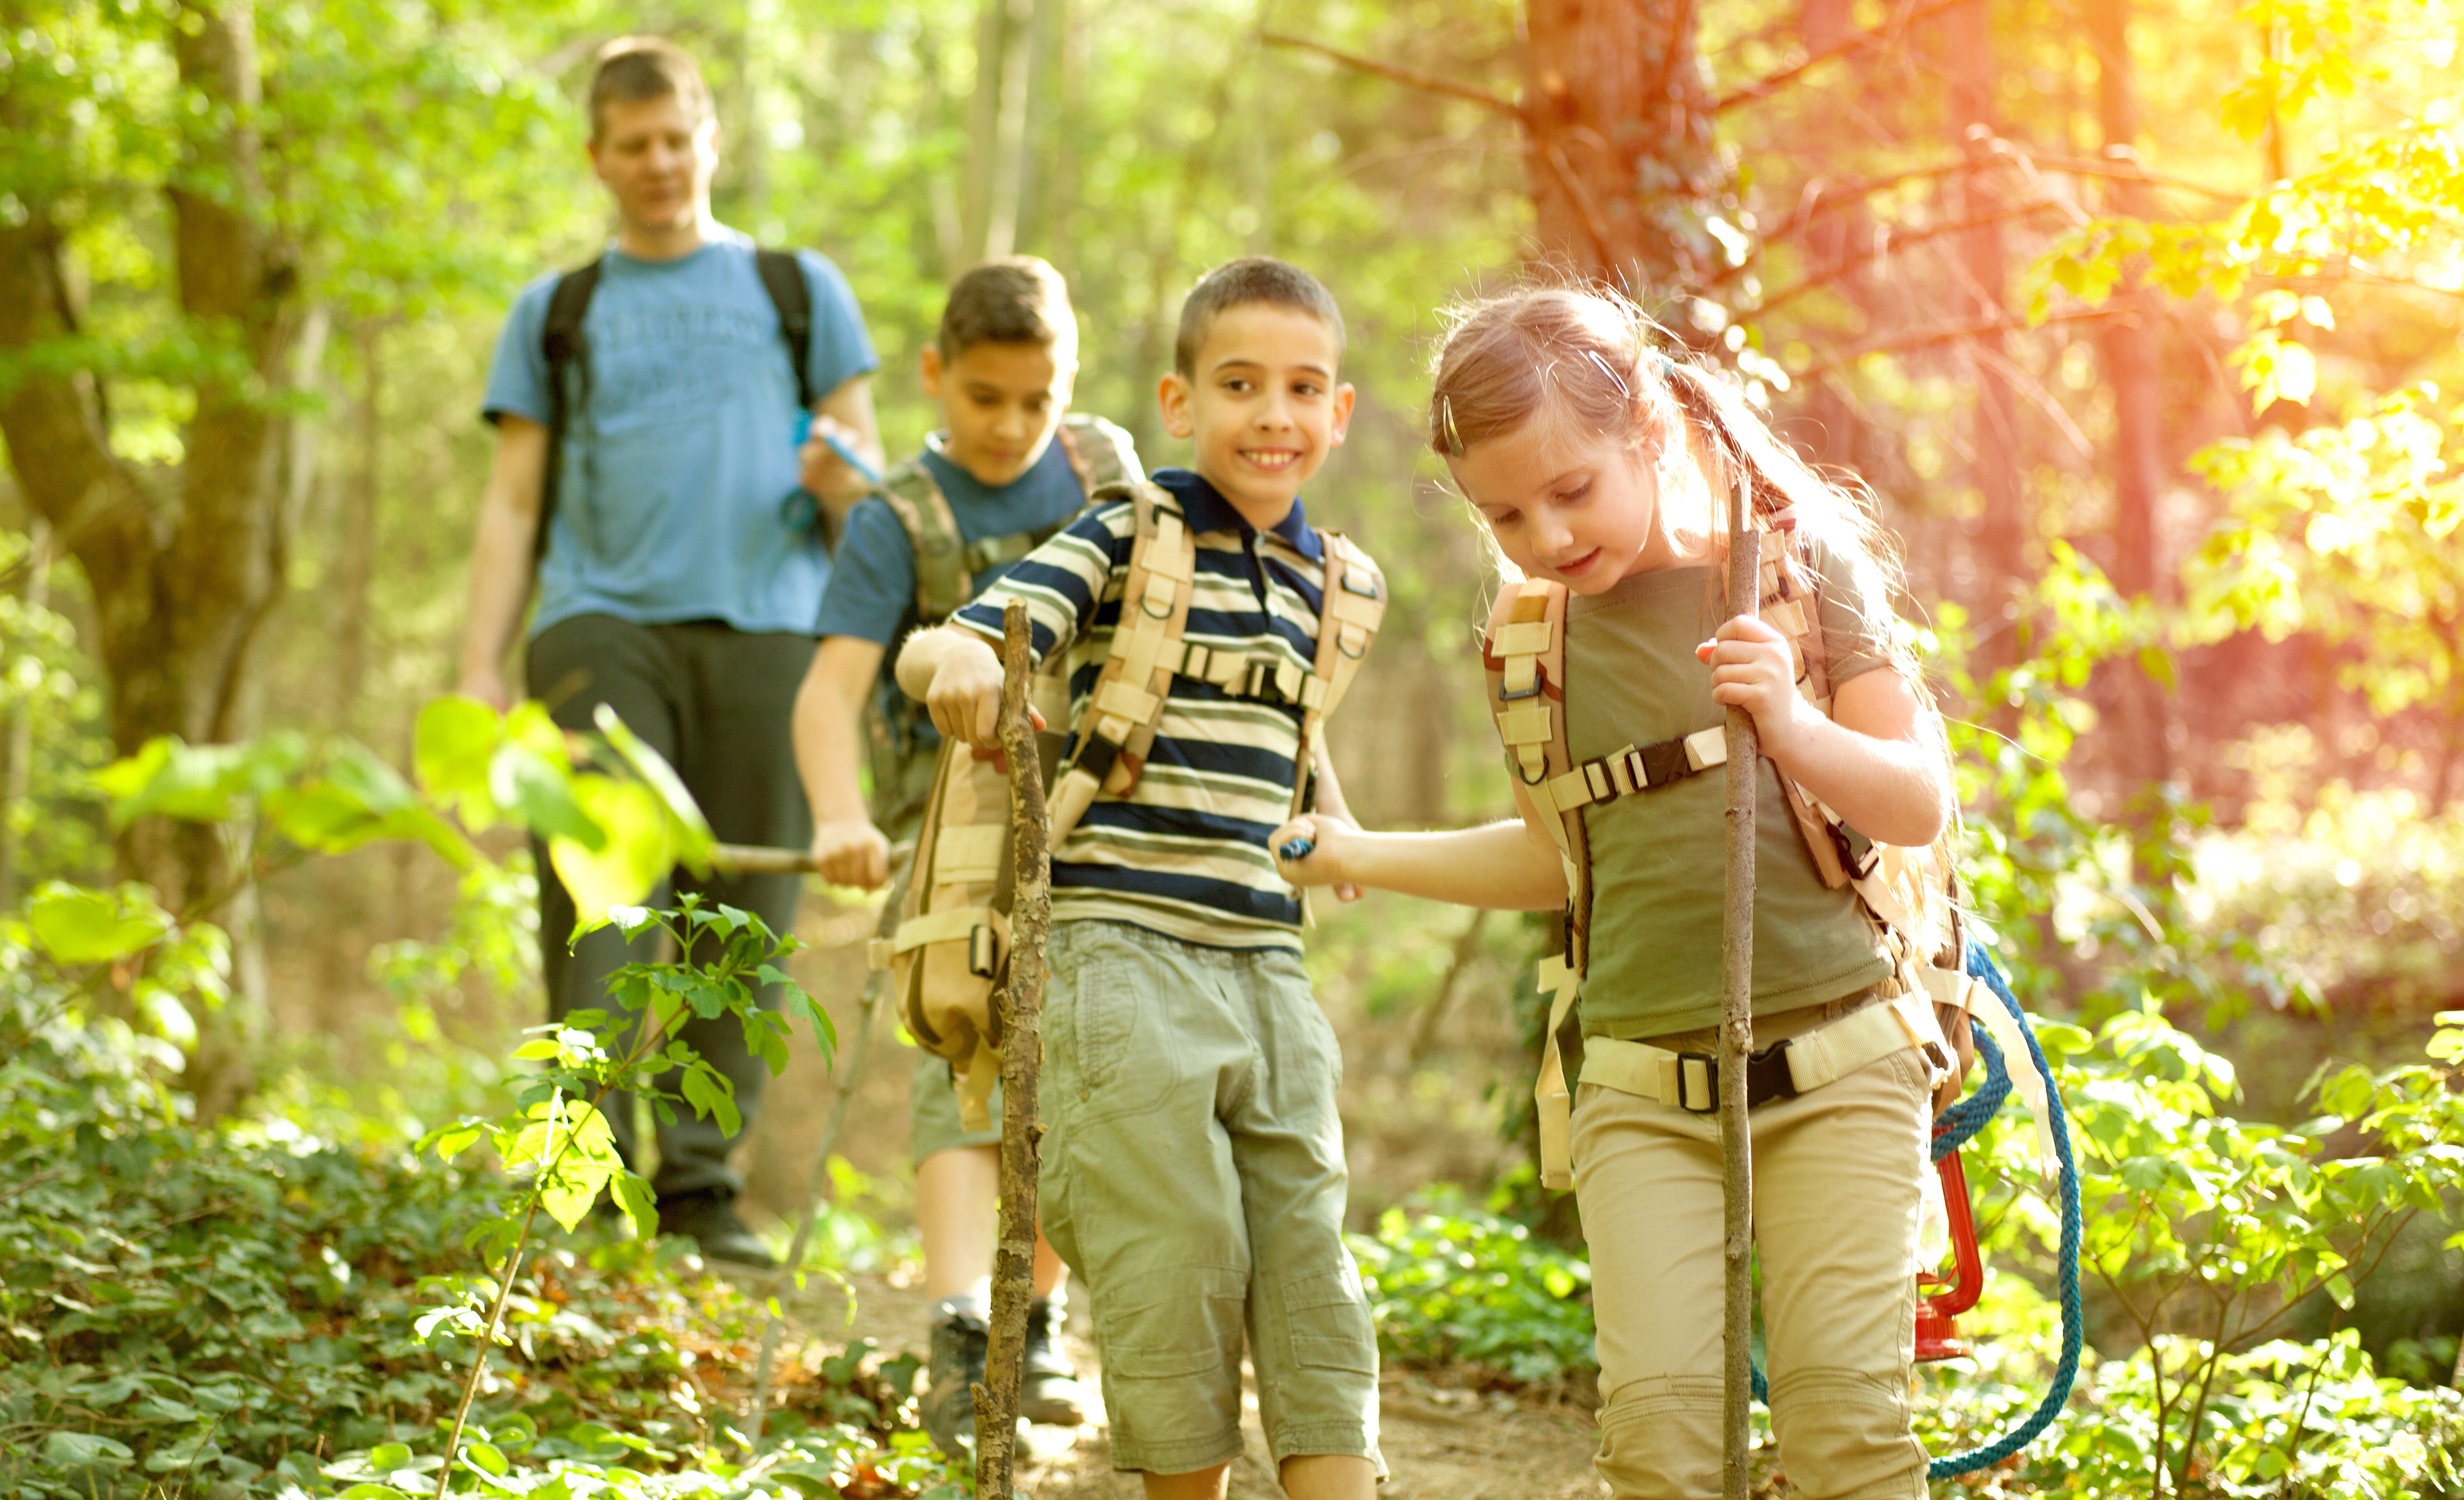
[1958, 1125]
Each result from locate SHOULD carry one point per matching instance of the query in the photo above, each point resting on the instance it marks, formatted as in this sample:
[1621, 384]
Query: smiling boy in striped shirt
[1192, 1168]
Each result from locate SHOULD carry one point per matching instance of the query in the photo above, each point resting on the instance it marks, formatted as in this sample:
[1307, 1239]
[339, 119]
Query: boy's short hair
[1237, 283]
[631, 69]
[1015, 300]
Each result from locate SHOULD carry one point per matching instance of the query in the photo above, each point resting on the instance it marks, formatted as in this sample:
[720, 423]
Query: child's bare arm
[1330, 801]
[955, 672]
[1511, 866]
[848, 849]
[1876, 760]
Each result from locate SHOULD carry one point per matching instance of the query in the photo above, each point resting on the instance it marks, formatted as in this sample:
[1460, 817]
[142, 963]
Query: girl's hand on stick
[1328, 840]
[1753, 667]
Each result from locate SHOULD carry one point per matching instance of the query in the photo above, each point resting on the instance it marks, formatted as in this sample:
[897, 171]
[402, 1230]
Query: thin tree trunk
[21, 719]
[1737, 1033]
[2002, 534]
[997, 129]
[2131, 367]
[1020, 1003]
[355, 565]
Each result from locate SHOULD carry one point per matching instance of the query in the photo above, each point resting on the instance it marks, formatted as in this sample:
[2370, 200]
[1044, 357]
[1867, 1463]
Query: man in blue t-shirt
[683, 559]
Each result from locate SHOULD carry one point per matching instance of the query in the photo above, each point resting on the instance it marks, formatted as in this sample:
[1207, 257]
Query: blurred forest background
[2137, 317]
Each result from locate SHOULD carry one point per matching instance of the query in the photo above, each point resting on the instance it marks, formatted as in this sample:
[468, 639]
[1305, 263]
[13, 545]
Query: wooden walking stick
[1018, 1005]
[1736, 1019]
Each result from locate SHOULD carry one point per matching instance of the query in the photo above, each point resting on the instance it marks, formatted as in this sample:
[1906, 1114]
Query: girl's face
[1581, 509]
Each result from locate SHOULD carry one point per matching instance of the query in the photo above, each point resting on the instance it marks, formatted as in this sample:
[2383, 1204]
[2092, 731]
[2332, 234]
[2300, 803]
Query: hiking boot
[1047, 1390]
[958, 1335]
[709, 1220]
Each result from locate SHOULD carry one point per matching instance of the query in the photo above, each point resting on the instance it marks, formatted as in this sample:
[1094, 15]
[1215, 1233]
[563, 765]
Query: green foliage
[1451, 1282]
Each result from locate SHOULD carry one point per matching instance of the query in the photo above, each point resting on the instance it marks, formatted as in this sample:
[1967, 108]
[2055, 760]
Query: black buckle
[1259, 681]
[1766, 1078]
[1539, 681]
[1096, 755]
[1663, 762]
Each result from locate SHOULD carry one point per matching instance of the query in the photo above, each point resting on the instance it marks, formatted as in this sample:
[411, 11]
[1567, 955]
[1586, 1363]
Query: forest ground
[1442, 1441]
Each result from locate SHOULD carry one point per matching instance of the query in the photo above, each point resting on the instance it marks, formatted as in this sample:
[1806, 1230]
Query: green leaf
[629, 858]
[456, 743]
[692, 833]
[711, 1095]
[542, 795]
[485, 1457]
[77, 925]
[388, 1457]
[86, 1450]
[633, 1196]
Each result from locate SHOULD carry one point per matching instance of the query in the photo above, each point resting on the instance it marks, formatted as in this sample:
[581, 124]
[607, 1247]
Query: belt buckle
[1710, 1064]
[1768, 1075]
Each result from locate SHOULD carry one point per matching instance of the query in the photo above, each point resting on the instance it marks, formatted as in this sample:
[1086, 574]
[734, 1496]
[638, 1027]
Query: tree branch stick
[1882, 36]
[1409, 78]
[1020, 1004]
[1737, 1024]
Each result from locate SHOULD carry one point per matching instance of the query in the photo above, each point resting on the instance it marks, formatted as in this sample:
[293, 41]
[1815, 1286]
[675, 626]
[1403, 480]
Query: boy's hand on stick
[1753, 667]
[964, 698]
[850, 851]
[1330, 840]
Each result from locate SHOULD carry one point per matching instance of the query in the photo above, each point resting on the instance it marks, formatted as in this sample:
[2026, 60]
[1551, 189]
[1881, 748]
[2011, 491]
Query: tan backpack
[952, 946]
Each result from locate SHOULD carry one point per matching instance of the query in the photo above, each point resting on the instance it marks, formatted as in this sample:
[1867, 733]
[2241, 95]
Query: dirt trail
[1439, 1444]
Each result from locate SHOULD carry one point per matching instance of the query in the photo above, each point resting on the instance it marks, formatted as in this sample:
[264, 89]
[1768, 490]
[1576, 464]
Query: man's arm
[846, 414]
[847, 847]
[501, 555]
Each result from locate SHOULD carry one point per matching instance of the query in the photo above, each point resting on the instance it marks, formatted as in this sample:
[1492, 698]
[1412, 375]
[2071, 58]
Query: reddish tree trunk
[1626, 177]
[2131, 368]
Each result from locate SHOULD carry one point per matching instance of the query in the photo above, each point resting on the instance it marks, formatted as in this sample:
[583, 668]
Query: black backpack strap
[783, 279]
[561, 342]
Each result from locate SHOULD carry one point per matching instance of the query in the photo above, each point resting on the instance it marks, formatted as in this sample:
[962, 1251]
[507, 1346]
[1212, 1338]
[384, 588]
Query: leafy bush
[1452, 1283]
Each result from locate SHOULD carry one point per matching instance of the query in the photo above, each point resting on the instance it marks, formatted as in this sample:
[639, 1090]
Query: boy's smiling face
[999, 403]
[1262, 408]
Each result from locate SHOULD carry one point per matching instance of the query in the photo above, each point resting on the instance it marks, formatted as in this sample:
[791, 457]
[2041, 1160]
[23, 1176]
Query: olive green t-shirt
[1660, 857]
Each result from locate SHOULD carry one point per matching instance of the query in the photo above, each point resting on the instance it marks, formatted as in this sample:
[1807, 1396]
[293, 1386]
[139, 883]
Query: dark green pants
[717, 703]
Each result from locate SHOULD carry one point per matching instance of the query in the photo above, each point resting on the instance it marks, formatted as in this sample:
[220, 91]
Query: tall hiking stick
[1020, 1004]
[1737, 1024]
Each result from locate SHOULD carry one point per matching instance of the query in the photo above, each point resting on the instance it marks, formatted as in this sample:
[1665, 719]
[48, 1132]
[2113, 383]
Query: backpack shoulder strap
[1523, 653]
[1100, 452]
[1127, 702]
[782, 276]
[566, 352]
[943, 581]
[1352, 603]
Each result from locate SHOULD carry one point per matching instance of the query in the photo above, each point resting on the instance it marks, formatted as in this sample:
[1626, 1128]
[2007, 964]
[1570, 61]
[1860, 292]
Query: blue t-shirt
[680, 497]
[872, 594]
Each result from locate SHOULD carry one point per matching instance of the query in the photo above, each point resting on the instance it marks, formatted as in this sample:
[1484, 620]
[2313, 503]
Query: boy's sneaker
[709, 1220]
[1048, 1392]
[958, 1335]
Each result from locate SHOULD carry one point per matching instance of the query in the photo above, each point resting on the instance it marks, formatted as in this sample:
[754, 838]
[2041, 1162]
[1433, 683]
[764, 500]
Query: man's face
[1001, 403]
[656, 157]
[1263, 408]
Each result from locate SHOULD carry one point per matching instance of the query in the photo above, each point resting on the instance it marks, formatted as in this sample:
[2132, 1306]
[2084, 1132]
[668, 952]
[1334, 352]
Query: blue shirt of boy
[680, 496]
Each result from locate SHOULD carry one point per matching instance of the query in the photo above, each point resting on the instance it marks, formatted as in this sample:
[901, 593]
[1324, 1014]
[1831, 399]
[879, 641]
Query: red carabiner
[1937, 1312]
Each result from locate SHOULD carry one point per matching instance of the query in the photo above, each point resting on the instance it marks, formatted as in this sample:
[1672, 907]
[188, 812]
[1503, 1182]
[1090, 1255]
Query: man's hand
[1326, 864]
[826, 476]
[852, 853]
[487, 684]
[1753, 667]
[965, 698]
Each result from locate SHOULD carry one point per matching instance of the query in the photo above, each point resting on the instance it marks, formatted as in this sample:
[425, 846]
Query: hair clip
[1447, 436]
[1615, 379]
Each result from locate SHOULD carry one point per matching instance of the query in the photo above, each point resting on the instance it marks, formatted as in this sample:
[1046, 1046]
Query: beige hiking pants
[1836, 1202]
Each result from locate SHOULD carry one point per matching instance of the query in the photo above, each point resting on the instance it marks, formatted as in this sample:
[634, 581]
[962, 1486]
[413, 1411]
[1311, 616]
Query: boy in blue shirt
[1008, 469]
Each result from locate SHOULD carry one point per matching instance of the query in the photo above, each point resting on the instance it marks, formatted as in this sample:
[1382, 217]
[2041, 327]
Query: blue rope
[1959, 1125]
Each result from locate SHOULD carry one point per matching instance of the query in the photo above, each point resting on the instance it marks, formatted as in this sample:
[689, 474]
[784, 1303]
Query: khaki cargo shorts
[1193, 1178]
[933, 1111]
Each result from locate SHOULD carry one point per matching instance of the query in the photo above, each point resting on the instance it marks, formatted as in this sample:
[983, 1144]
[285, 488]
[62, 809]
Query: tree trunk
[181, 579]
[2131, 368]
[2002, 532]
[355, 558]
[997, 131]
[1625, 174]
